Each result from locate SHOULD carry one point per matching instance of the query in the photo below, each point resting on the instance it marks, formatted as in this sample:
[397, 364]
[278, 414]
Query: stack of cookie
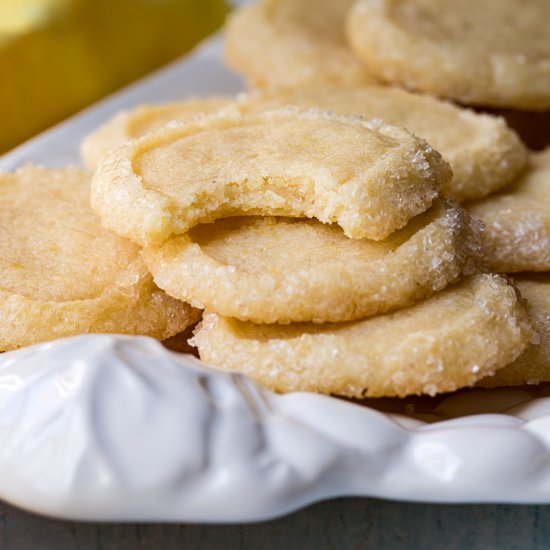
[516, 240]
[62, 273]
[315, 221]
[228, 207]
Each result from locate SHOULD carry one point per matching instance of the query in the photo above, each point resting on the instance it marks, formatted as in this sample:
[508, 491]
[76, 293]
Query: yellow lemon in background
[17, 16]
[57, 56]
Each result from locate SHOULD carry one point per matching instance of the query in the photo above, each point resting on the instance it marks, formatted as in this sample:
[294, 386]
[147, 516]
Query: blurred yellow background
[57, 56]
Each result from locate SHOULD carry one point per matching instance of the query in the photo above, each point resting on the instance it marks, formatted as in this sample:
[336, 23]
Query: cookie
[136, 123]
[270, 270]
[291, 43]
[517, 222]
[62, 274]
[368, 177]
[484, 154]
[478, 52]
[533, 365]
[446, 342]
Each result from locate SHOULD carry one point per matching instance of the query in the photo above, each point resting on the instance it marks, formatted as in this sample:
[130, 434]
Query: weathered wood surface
[338, 524]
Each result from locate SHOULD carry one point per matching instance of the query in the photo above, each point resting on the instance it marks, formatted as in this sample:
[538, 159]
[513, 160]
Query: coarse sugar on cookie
[137, 122]
[449, 341]
[533, 365]
[62, 274]
[478, 52]
[516, 236]
[280, 270]
[368, 177]
[292, 43]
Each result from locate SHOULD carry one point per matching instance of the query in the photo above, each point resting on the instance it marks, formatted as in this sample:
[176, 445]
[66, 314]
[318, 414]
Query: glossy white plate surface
[113, 428]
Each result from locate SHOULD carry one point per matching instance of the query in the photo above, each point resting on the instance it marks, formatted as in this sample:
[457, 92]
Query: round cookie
[478, 52]
[269, 270]
[136, 123]
[517, 222]
[368, 177]
[62, 274]
[484, 154]
[446, 342]
[291, 43]
[533, 365]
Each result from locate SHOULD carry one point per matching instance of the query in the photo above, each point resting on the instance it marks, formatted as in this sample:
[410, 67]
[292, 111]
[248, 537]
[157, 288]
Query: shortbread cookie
[62, 274]
[270, 270]
[136, 123]
[292, 42]
[484, 154]
[446, 342]
[533, 365]
[517, 222]
[368, 177]
[480, 52]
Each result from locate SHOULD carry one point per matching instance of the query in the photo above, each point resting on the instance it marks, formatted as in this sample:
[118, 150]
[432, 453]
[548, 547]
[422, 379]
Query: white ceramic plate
[103, 427]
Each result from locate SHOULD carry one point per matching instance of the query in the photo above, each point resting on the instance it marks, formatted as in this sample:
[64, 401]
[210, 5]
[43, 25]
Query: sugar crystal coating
[533, 365]
[62, 274]
[517, 221]
[368, 177]
[440, 344]
[270, 270]
[480, 52]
